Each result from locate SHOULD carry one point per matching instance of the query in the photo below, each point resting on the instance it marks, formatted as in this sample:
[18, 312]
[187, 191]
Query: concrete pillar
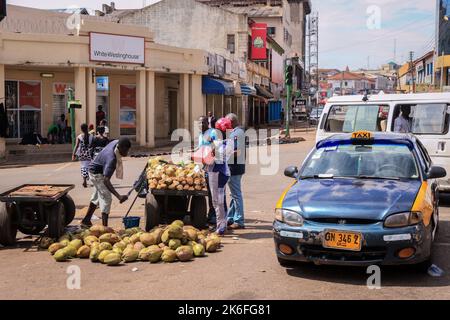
[91, 96]
[2, 100]
[185, 101]
[141, 114]
[150, 123]
[198, 99]
[80, 94]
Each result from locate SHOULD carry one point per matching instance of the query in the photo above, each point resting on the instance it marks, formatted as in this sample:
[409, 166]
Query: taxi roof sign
[362, 135]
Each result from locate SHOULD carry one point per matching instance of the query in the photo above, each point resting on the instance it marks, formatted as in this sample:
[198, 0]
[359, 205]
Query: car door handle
[441, 146]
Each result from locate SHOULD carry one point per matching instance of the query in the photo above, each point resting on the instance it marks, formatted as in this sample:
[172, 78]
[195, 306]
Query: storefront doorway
[103, 97]
[173, 111]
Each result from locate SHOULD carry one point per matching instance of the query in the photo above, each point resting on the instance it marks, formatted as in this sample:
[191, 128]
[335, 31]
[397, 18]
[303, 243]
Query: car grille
[343, 221]
[366, 254]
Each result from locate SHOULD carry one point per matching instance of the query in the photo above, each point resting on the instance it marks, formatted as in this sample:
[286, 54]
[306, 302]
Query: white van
[428, 120]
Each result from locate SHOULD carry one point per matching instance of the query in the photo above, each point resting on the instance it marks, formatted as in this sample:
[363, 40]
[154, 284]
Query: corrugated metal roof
[256, 11]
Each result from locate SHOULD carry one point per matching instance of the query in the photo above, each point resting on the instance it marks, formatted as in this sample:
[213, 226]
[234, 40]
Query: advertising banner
[259, 41]
[59, 88]
[29, 95]
[127, 106]
[116, 48]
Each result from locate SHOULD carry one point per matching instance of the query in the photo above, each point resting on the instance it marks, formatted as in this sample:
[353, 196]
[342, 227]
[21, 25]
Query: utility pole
[412, 70]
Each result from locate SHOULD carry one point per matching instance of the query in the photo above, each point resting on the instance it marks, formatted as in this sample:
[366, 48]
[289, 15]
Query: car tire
[286, 263]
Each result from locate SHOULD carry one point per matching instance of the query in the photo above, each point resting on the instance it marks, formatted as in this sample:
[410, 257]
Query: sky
[354, 33]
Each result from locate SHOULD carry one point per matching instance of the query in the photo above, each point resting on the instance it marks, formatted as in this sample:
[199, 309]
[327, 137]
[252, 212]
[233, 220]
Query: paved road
[245, 269]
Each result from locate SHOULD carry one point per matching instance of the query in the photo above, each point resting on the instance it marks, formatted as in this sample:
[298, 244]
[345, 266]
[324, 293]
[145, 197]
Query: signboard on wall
[227, 66]
[30, 95]
[259, 41]
[220, 65]
[59, 88]
[116, 48]
[211, 63]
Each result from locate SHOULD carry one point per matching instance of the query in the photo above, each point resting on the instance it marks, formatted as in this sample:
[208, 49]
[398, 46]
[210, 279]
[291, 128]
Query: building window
[271, 31]
[231, 46]
[23, 104]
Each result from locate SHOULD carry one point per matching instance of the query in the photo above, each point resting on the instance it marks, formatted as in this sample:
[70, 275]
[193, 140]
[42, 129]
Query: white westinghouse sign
[116, 48]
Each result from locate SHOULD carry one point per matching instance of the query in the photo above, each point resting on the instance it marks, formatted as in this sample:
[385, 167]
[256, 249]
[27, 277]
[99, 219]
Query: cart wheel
[29, 213]
[69, 208]
[8, 230]
[198, 212]
[56, 220]
[152, 212]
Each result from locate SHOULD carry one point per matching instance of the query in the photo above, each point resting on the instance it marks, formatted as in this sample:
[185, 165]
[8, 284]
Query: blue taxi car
[360, 199]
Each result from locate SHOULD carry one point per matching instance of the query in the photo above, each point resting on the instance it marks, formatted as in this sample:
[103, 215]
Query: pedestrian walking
[83, 152]
[211, 120]
[101, 170]
[100, 115]
[104, 123]
[237, 170]
[220, 173]
[100, 142]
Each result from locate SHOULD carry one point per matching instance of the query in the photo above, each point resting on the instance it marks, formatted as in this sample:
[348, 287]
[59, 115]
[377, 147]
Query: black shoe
[104, 219]
[85, 225]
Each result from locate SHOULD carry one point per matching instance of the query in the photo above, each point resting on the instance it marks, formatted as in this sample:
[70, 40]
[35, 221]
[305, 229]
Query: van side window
[425, 155]
[350, 118]
[422, 119]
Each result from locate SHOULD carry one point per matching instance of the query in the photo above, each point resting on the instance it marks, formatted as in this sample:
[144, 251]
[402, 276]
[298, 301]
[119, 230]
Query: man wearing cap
[101, 169]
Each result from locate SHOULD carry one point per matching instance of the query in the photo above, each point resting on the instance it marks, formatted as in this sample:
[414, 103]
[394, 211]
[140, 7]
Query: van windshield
[350, 118]
[423, 118]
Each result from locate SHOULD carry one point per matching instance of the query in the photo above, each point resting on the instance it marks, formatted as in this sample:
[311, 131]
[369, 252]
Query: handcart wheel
[8, 229]
[152, 212]
[29, 213]
[198, 212]
[69, 207]
[56, 220]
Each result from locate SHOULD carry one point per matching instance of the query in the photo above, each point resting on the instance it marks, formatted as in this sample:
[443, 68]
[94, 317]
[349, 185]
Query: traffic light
[2, 9]
[289, 75]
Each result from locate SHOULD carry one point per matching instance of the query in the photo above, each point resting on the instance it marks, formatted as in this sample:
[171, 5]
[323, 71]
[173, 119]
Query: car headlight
[289, 217]
[403, 219]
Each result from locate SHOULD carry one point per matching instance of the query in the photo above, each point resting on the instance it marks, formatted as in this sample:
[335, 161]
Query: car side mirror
[436, 172]
[291, 172]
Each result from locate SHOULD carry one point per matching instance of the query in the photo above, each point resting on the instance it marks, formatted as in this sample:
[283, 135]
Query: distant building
[423, 71]
[349, 83]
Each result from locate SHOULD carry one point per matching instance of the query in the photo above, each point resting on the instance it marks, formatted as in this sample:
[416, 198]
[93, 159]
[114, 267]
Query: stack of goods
[175, 242]
[169, 176]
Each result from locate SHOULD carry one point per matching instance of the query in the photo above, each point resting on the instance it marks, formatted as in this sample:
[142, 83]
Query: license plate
[342, 240]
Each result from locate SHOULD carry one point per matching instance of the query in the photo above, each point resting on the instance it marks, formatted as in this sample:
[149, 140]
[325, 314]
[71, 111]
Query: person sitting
[53, 133]
[403, 124]
[62, 127]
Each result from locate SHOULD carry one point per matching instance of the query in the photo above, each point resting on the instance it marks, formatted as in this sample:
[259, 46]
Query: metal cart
[161, 206]
[31, 213]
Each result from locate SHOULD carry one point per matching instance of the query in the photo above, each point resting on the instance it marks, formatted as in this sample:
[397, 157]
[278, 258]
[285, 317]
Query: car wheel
[286, 263]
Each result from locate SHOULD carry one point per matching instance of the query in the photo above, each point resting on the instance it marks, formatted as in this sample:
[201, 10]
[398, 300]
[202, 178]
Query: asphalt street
[246, 267]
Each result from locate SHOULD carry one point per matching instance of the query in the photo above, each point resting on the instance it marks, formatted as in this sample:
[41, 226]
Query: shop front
[142, 89]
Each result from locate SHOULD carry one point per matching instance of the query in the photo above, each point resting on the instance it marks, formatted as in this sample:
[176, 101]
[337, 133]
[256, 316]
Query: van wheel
[8, 228]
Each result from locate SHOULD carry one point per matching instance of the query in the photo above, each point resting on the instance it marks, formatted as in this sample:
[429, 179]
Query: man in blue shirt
[101, 169]
[237, 170]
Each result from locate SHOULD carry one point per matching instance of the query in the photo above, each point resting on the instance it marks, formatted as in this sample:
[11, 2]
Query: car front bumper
[306, 242]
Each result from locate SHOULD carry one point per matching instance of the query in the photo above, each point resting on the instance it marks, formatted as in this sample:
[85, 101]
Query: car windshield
[378, 161]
